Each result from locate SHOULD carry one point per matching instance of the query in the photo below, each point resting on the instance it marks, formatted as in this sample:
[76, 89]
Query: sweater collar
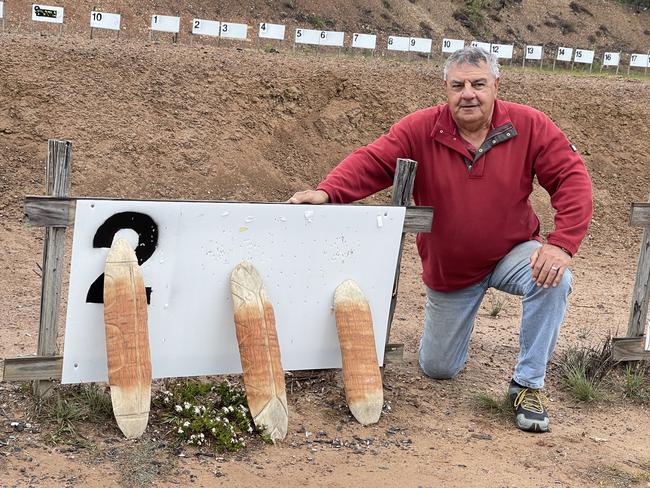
[446, 124]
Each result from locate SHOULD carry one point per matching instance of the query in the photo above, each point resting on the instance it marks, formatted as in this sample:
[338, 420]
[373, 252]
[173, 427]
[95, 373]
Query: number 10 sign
[187, 250]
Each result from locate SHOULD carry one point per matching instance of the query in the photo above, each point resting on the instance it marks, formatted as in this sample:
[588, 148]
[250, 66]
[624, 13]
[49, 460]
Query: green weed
[499, 407]
[205, 414]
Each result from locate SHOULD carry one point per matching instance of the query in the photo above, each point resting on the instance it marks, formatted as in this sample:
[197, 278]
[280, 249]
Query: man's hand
[310, 196]
[549, 263]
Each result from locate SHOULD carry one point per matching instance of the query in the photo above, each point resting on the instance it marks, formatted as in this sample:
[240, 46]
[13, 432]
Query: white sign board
[47, 13]
[202, 27]
[611, 59]
[639, 60]
[420, 45]
[502, 51]
[2, 10]
[452, 45]
[534, 52]
[271, 31]
[396, 43]
[584, 56]
[564, 53]
[332, 38]
[165, 23]
[187, 252]
[483, 45]
[230, 30]
[308, 36]
[105, 20]
[364, 41]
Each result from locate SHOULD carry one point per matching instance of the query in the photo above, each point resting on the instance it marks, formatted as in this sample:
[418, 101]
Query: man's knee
[439, 370]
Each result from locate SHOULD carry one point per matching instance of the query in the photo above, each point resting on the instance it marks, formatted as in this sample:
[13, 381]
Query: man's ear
[496, 83]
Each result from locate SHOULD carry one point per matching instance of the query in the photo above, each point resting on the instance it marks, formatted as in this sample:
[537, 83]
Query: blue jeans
[449, 319]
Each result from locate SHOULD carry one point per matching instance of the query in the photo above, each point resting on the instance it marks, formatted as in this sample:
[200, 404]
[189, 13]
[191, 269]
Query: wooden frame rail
[56, 212]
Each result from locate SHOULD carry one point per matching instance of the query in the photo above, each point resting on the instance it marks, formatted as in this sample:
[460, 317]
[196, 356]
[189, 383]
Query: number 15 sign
[187, 250]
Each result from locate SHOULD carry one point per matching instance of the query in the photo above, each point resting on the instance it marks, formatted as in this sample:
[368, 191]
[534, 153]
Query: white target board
[271, 31]
[486, 46]
[564, 54]
[397, 43]
[584, 56]
[47, 13]
[332, 38]
[364, 41]
[502, 51]
[534, 52]
[611, 59]
[308, 36]
[231, 30]
[105, 20]
[187, 252]
[639, 60]
[452, 45]
[420, 45]
[203, 27]
[2, 10]
[165, 23]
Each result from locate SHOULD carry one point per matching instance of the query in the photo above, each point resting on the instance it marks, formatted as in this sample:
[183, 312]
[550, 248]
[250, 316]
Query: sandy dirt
[216, 122]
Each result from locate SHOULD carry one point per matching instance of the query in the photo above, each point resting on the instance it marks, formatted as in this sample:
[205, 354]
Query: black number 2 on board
[147, 231]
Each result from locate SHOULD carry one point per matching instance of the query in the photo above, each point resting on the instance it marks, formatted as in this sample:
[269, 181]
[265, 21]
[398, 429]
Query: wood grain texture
[127, 339]
[361, 376]
[259, 351]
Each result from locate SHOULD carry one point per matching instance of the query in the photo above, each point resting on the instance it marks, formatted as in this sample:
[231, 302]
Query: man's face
[471, 92]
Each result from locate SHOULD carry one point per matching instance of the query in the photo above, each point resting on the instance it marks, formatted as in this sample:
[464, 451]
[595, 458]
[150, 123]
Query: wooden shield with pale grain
[127, 339]
[259, 351]
[361, 376]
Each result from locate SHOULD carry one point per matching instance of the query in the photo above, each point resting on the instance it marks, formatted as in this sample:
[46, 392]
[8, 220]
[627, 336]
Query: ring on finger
[554, 268]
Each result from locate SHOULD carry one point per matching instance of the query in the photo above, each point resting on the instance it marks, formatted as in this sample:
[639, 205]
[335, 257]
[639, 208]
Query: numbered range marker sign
[105, 20]
[187, 251]
[534, 52]
[2, 10]
[271, 31]
[364, 41]
[319, 38]
[584, 56]
[397, 43]
[502, 51]
[165, 23]
[564, 54]
[486, 46]
[206, 27]
[611, 59]
[452, 45]
[231, 30]
[639, 60]
[47, 13]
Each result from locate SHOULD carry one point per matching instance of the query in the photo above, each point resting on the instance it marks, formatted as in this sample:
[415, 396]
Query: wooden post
[631, 347]
[641, 294]
[402, 191]
[57, 183]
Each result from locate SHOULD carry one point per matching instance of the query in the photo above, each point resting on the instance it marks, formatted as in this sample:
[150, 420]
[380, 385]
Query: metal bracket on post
[57, 183]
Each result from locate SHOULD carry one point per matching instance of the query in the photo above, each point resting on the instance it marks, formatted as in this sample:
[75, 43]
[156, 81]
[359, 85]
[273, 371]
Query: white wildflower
[178, 408]
[186, 405]
[186, 424]
[180, 431]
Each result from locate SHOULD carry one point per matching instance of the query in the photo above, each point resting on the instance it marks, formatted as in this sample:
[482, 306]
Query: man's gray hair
[474, 56]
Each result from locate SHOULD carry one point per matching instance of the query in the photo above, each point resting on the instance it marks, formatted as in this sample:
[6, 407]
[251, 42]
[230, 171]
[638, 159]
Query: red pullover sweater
[482, 207]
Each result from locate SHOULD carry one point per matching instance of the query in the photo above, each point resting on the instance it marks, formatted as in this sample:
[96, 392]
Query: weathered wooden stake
[632, 348]
[57, 183]
[402, 191]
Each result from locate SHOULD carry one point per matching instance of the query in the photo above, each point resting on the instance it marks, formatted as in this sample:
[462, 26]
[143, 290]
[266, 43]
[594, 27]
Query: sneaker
[530, 413]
